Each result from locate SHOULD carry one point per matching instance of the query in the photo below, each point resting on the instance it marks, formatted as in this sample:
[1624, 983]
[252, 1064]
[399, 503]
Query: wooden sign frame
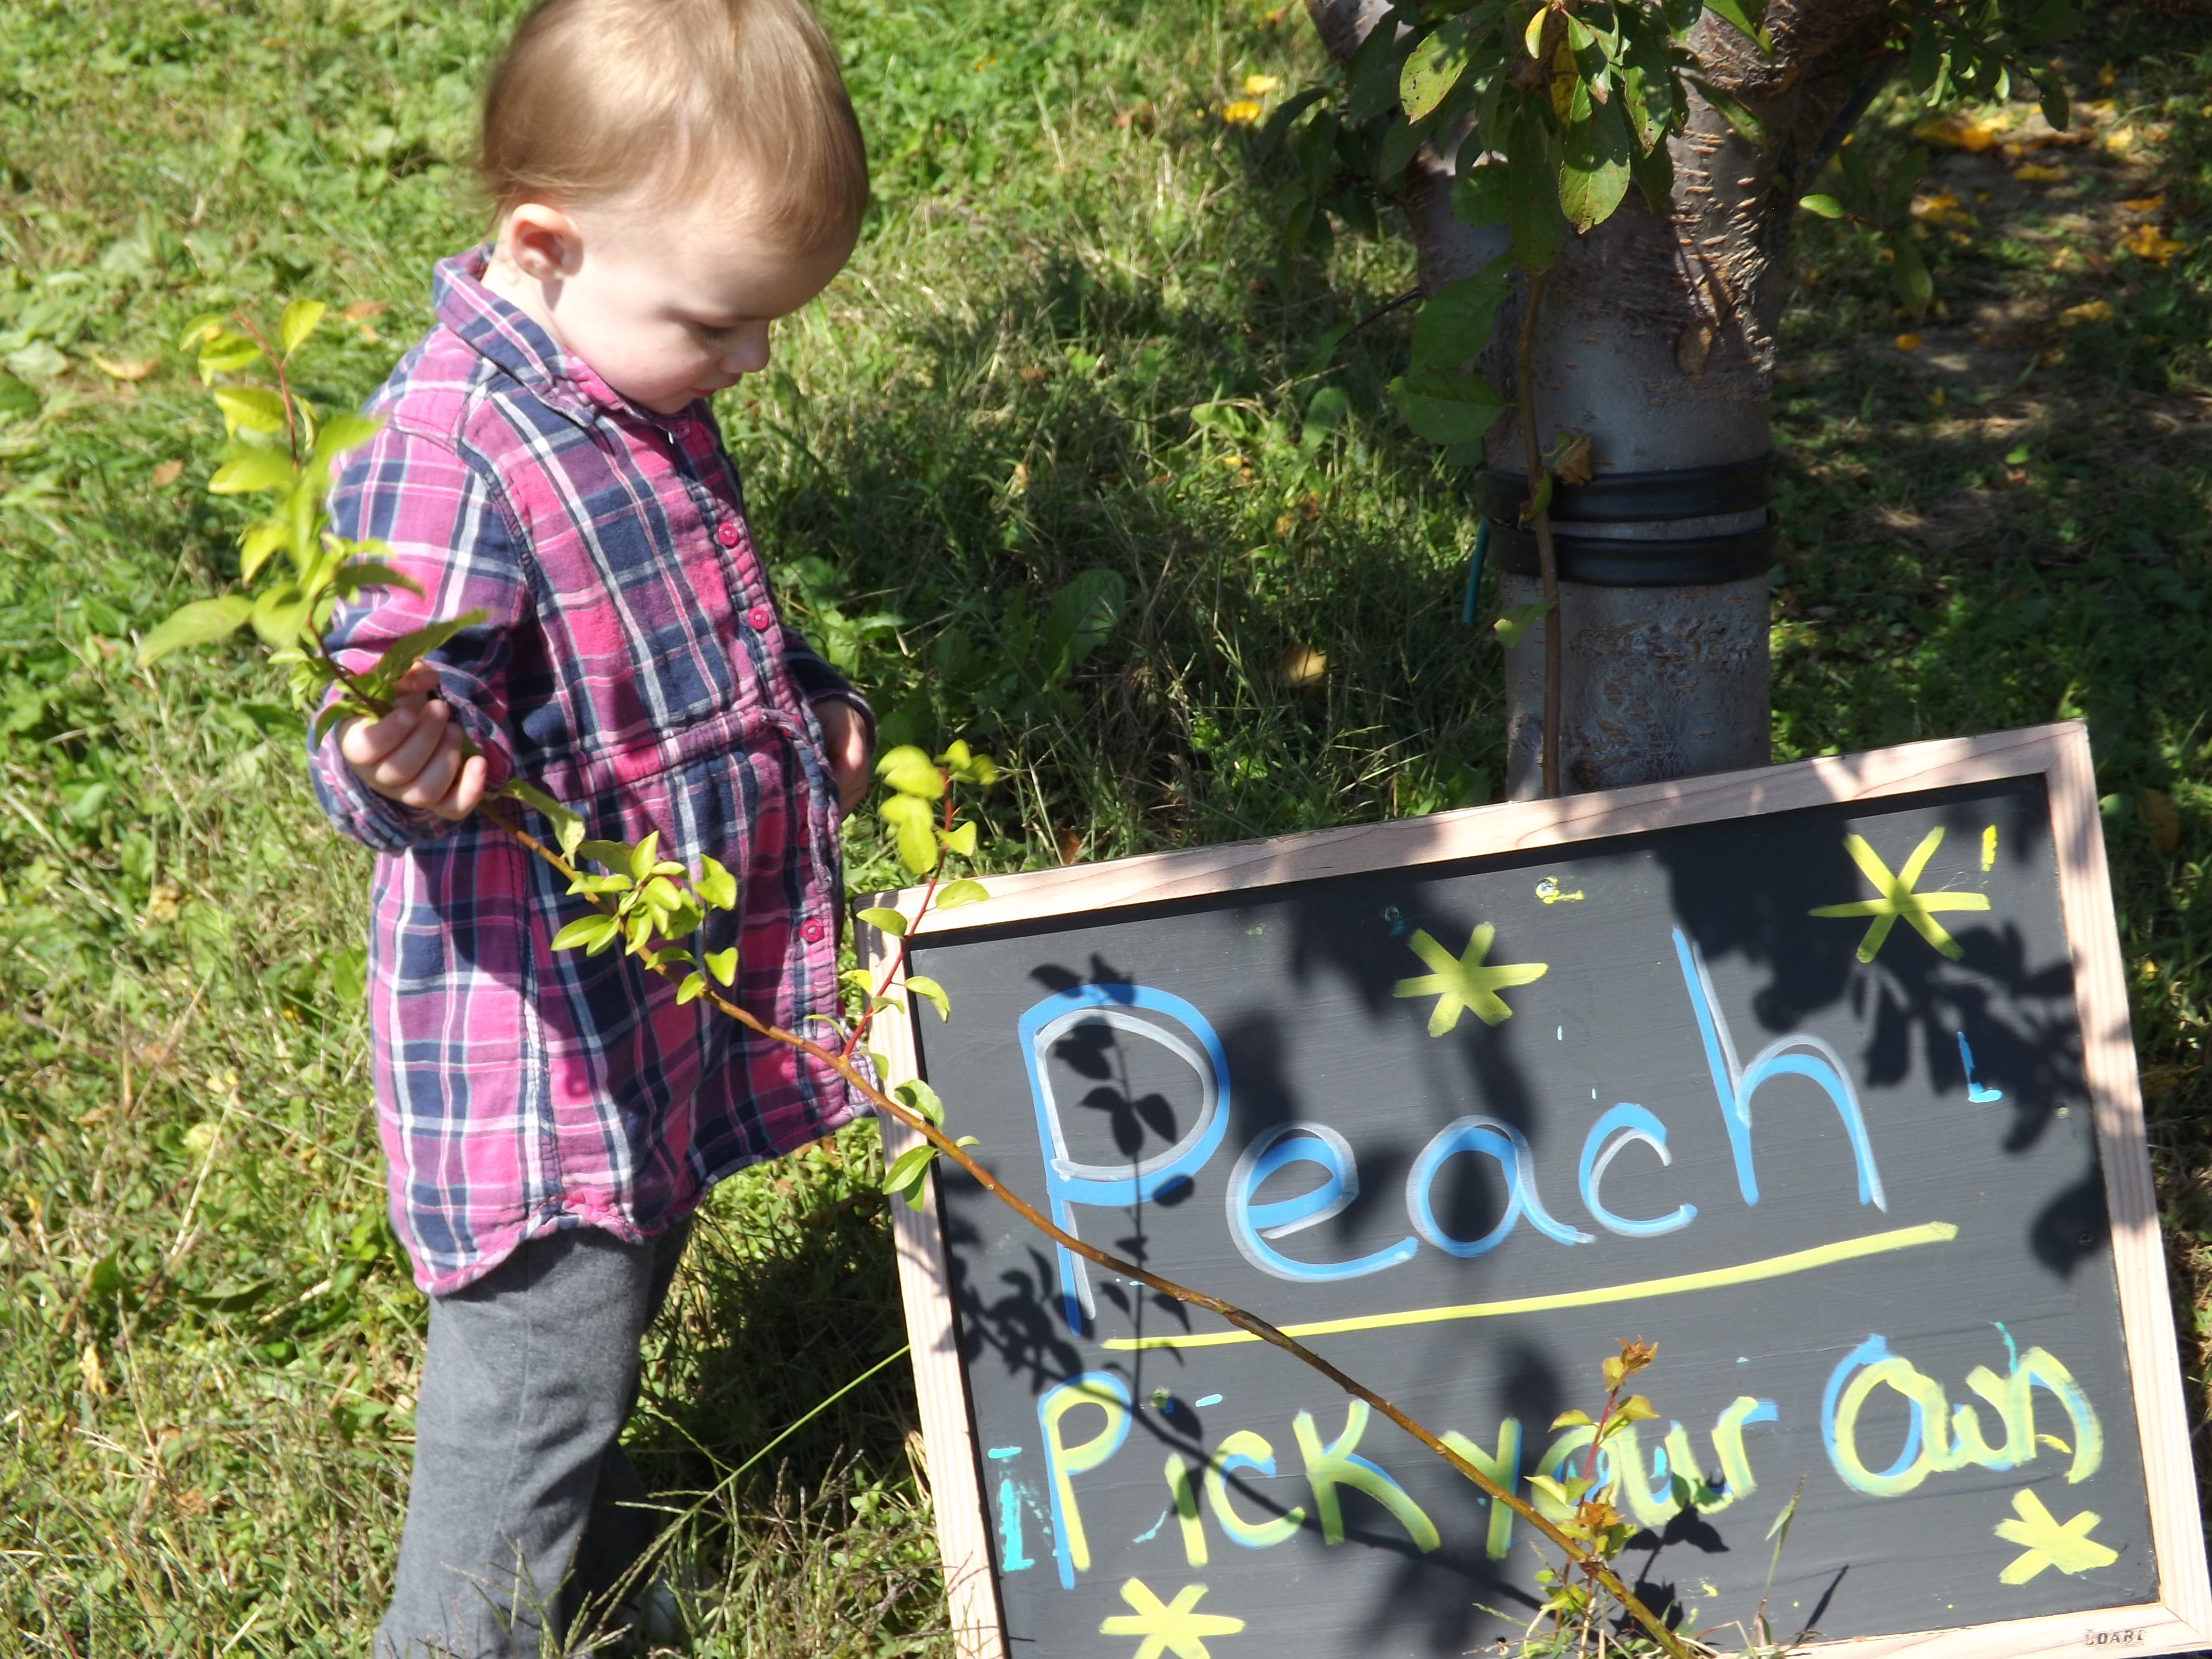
[2181, 1619]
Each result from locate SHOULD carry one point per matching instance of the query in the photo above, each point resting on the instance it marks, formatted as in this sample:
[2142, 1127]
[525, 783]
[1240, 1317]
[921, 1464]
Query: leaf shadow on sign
[2016, 1013]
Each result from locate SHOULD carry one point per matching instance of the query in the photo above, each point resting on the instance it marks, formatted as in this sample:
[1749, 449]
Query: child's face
[666, 302]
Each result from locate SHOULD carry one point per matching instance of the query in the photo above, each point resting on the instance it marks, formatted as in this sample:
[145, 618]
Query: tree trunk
[1657, 342]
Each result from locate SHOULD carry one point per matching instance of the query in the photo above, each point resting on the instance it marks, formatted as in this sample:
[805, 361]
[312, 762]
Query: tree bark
[1656, 339]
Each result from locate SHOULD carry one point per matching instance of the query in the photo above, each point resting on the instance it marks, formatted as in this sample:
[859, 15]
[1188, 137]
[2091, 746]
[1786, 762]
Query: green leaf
[599, 885]
[904, 1178]
[197, 623]
[960, 841]
[968, 767]
[910, 817]
[226, 354]
[1329, 409]
[1747, 15]
[930, 991]
[351, 577]
[722, 964]
[400, 655]
[1324, 350]
[254, 408]
[693, 987]
[716, 885]
[1910, 275]
[1398, 145]
[198, 332]
[1434, 68]
[884, 920]
[2057, 108]
[299, 322]
[1271, 135]
[1634, 1409]
[645, 855]
[960, 892]
[343, 432]
[1570, 1419]
[18, 399]
[1826, 207]
[668, 956]
[1516, 622]
[908, 769]
[339, 710]
[1594, 167]
[1654, 167]
[280, 615]
[1446, 407]
[921, 1098]
[1539, 228]
[595, 932]
[246, 469]
[1083, 615]
[260, 538]
[614, 854]
[1480, 196]
[1749, 127]
[1454, 324]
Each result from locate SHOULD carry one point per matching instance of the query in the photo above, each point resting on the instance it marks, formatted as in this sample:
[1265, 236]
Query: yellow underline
[1774, 1266]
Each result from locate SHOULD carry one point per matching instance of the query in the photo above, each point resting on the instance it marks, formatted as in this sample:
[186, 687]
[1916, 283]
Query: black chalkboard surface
[1810, 1076]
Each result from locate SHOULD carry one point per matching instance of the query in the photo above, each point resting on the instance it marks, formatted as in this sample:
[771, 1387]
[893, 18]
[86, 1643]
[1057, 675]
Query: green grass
[1064, 347]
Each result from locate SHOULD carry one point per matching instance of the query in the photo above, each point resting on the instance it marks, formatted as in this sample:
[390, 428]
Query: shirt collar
[508, 337]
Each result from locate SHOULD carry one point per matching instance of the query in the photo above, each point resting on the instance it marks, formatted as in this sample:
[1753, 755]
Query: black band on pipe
[1698, 561]
[1630, 497]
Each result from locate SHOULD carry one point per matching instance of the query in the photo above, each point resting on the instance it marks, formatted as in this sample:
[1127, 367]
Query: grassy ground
[1063, 348]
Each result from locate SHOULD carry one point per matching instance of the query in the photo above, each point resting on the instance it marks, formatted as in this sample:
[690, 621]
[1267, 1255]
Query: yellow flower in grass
[1242, 113]
[1259, 85]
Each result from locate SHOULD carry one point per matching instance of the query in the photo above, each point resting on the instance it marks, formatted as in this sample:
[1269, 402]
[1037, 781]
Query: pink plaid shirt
[632, 665]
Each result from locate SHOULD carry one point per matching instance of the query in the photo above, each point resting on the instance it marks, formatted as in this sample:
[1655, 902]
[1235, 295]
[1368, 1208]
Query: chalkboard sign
[1817, 1077]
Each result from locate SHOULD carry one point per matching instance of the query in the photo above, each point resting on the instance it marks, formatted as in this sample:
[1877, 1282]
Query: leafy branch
[277, 445]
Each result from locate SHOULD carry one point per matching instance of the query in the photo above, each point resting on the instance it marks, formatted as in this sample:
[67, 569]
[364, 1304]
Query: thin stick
[1547, 558]
[1249, 1322]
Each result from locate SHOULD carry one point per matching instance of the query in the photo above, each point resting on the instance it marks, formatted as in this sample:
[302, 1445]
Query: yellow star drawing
[1172, 1628]
[1897, 899]
[2069, 1548]
[1462, 982]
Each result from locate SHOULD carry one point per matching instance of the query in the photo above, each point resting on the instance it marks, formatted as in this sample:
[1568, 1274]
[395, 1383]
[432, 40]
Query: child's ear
[542, 241]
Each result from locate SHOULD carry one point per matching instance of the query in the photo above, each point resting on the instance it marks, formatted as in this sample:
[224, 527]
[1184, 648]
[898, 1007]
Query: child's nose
[749, 355]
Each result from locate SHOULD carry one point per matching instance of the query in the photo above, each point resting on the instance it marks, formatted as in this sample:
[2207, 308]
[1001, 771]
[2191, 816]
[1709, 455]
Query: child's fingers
[395, 774]
[420, 677]
[468, 789]
[367, 743]
[427, 787]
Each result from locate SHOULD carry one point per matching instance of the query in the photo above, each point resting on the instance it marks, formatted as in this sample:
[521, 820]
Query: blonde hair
[596, 99]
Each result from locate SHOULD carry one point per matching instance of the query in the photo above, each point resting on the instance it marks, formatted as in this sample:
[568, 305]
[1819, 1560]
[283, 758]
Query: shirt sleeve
[817, 682]
[440, 523]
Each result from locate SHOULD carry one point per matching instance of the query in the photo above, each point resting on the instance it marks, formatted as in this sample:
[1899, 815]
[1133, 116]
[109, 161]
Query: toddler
[671, 176]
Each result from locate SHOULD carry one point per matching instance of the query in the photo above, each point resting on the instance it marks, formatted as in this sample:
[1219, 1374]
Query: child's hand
[416, 755]
[845, 735]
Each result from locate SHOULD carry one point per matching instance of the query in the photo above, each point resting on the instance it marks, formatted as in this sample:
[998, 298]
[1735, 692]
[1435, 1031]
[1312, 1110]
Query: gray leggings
[530, 1374]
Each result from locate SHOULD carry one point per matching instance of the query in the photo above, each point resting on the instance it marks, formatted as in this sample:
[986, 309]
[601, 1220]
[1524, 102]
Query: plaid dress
[632, 664]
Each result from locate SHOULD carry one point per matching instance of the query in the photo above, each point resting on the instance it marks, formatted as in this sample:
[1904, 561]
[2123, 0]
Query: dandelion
[1242, 113]
[1259, 85]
